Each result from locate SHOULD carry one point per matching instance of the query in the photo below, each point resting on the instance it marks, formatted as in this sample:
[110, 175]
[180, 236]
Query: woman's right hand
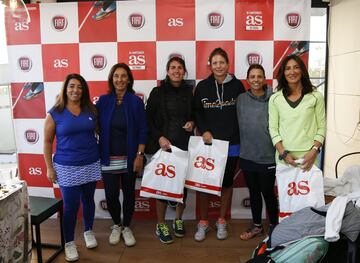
[289, 159]
[207, 137]
[51, 175]
[164, 143]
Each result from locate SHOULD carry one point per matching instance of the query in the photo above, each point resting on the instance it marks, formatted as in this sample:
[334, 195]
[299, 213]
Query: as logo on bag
[204, 163]
[163, 170]
[299, 188]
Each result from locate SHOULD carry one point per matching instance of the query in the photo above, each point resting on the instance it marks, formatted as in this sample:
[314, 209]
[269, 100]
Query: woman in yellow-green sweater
[296, 115]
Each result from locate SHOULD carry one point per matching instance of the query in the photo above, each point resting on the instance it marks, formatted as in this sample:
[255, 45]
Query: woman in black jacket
[170, 120]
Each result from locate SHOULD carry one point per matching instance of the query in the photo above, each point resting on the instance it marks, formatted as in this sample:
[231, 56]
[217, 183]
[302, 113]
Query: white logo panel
[29, 134]
[292, 19]
[136, 22]
[59, 23]
[143, 88]
[184, 49]
[96, 60]
[51, 91]
[25, 63]
[253, 52]
[241, 204]
[215, 20]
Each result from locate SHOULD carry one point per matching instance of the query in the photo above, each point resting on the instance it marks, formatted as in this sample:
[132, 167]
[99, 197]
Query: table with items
[15, 227]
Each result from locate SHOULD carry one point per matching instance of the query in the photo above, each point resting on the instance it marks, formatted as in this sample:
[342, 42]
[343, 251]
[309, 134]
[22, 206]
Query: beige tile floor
[149, 249]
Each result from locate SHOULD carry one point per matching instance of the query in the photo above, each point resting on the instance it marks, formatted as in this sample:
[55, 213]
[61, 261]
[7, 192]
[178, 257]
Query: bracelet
[140, 154]
[315, 148]
[283, 155]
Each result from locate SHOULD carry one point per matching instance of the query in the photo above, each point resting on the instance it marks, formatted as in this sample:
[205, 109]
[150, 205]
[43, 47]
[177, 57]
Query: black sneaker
[163, 233]
[179, 229]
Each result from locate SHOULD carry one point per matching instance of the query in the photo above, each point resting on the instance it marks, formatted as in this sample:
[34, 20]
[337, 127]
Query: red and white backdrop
[63, 38]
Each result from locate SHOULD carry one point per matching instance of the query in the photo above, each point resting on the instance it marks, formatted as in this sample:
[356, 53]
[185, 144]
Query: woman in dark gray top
[257, 151]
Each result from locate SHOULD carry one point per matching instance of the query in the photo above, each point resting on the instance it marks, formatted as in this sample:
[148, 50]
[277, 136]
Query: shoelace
[179, 224]
[164, 229]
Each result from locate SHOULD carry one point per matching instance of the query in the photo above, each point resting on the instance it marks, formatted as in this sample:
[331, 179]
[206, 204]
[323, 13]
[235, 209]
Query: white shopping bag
[206, 165]
[298, 189]
[164, 176]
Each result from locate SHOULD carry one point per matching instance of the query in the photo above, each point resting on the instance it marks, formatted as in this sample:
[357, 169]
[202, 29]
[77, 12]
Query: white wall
[343, 108]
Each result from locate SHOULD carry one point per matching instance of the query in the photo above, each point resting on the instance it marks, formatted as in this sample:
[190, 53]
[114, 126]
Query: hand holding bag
[298, 189]
[206, 165]
[164, 176]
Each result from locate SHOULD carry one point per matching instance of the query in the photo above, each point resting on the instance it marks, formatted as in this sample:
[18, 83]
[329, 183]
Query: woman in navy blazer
[122, 141]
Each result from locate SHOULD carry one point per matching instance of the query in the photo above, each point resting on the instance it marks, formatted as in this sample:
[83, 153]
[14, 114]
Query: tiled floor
[149, 250]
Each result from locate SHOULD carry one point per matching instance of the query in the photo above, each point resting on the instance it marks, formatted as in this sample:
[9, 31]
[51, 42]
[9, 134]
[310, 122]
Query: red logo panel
[32, 169]
[282, 49]
[174, 21]
[59, 60]
[141, 58]
[203, 50]
[254, 21]
[92, 23]
[145, 208]
[19, 31]
[97, 88]
[28, 100]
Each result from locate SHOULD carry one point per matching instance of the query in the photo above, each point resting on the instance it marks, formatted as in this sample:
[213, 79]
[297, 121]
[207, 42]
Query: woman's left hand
[138, 163]
[309, 159]
[189, 126]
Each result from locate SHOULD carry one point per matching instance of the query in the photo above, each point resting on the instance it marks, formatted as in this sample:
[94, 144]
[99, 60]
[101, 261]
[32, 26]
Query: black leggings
[112, 191]
[262, 183]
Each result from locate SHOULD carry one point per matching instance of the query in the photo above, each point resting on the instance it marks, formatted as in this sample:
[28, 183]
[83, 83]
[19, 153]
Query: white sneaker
[114, 237]
[201, 231]
[90, 239]
[128, 237]
[71, 253]
[222, 232]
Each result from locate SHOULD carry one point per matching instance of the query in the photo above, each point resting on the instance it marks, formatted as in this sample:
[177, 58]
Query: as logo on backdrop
[59, 23]
[214, 204]
[25, 63]
[178, 21]
[165, 170]
[204, 163]
[299, 188]
[61, 63]
[31, 136]
[293, 19]
[215, 19]
[136, 20]
[253, 58]
[21, 26]
[137, 60]
[254, 20]
[35, 171]
[98, 62]
[142, 205]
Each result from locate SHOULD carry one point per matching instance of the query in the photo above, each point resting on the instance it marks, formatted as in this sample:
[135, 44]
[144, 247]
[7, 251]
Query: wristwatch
[283, 155]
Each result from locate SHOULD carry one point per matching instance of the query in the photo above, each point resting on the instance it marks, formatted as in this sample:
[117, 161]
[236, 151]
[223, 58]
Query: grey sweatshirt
[253, 119]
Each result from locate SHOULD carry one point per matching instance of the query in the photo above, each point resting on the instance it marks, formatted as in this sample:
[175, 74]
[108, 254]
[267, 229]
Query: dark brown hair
[178, 59]
[219, 51]
[129, 73]
[305, 79]
[255, 66]
[85, 102]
